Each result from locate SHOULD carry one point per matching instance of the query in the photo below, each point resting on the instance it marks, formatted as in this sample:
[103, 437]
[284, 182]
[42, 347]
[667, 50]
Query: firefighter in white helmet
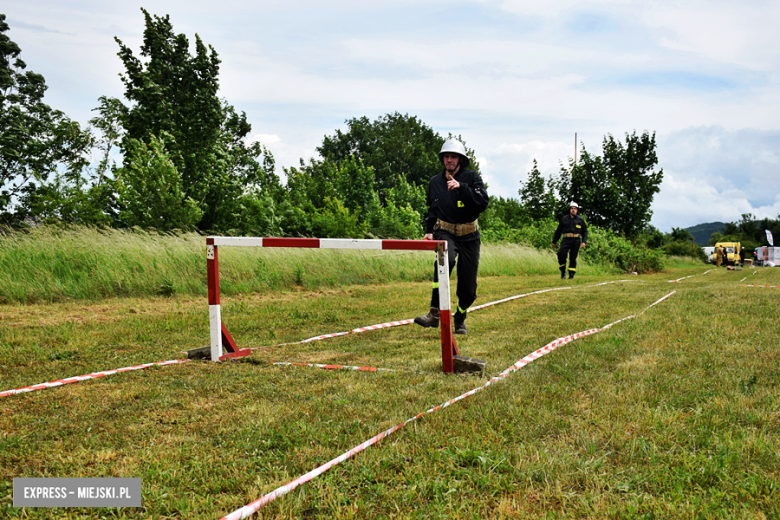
[575, 234]
[456, 197]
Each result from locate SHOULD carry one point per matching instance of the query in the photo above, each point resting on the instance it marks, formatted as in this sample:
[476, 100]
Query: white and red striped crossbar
[220, 335]
[326, 243]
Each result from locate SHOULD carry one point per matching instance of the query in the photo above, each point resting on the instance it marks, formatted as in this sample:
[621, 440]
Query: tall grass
[53, 264]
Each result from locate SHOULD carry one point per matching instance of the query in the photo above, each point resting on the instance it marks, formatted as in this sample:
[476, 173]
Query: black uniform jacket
[570, 224]
[458, 206]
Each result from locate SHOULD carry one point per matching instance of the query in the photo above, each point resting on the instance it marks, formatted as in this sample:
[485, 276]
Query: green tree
[355, 184]
[653, 237]
[310, 184]
[109, 125]
[682, 243]
[151, 191]
[334, 220]
[718, 237]
[69, 197]
[172, 91]
[617, 189]
[401, 214]
[681, 235]
[538, 196]
[505, 213]
[394, 144]
[35, 140]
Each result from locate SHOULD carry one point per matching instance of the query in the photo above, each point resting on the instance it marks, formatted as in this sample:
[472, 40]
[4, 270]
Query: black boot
[571, 275]
[429, 320]
[460, 323]
[563, 274]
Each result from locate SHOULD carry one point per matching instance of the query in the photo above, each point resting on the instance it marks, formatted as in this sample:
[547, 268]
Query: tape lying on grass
[691, 276]
[253, 507]
[95, 375]
[334, 367]
[410, 321]
[767, 286]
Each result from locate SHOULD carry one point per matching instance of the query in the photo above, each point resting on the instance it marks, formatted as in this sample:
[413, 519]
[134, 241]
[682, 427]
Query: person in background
[575, 235]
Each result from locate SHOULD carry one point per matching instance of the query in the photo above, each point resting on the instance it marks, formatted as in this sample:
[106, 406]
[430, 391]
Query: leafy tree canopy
[681, 235]
[616, 189]
[34, 139]
[538, 196]
[394, 144]
[174, 92]
[150, 187]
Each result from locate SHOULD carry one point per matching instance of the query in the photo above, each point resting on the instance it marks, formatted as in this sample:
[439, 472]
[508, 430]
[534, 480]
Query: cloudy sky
[515, 78]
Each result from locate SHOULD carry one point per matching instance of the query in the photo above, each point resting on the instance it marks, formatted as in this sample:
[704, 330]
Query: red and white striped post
[218, 332]
[448, 346]
[221, 337]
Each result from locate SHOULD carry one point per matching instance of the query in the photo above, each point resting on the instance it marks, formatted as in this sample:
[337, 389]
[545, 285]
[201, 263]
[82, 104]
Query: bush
[685, 248]
[604, 247]
[537, 234]
[336, 221]
[607, 247]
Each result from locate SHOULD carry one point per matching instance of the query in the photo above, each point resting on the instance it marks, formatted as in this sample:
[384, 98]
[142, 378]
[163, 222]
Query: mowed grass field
[673, 414]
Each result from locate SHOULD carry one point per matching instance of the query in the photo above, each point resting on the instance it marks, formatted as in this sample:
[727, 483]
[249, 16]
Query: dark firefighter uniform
[573, 229]
[452, 216]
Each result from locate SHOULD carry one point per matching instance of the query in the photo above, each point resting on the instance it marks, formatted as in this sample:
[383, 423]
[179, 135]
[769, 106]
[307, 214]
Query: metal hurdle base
[227, 341]
[199, 353]
[463, 364]
[205, 354]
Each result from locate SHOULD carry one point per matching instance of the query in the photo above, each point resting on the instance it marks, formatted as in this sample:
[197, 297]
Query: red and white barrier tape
[255, 506]
[94, 375]
[478, 307]
[333, 367]
[337, 334]
[767, 286]
[691, 276]
[410, 321]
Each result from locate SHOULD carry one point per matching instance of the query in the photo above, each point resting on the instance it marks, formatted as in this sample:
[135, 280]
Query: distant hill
[703, 232]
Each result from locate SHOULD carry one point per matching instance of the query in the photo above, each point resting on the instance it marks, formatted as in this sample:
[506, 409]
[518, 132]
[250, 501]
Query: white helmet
[574, 205]
[455, 146]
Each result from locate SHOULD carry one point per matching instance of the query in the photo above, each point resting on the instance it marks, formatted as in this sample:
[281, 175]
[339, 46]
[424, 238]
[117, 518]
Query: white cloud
[504, 166]
[556, 8]
[285, 154]
[744, 34]
[685, 203]
[516, 84]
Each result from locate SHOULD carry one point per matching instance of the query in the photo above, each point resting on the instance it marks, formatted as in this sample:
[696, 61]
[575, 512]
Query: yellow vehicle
[730, 252]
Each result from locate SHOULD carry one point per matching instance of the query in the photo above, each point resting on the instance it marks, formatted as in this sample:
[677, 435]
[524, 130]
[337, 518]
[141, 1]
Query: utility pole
[575, 148]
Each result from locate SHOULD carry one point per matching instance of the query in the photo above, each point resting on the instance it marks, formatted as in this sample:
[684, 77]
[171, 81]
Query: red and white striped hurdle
[221, 337]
